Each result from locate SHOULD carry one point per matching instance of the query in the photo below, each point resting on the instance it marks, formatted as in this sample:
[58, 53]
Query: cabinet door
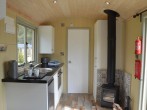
[100, 46]
[56, 99]
[46, 39]
[26, 96]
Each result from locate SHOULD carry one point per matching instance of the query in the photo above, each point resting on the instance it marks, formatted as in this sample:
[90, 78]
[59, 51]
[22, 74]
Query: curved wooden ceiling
[43, 11]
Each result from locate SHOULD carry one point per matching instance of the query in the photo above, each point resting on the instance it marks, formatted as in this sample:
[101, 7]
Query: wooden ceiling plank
[45, 10]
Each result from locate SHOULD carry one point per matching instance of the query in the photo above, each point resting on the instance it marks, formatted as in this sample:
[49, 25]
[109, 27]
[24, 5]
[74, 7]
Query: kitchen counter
[45, 79]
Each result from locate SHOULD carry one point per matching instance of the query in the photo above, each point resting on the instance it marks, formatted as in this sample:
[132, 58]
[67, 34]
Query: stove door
[108, 96]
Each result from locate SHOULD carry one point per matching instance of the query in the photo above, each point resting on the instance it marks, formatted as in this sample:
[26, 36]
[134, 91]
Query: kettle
[44, 61]
[12, 69]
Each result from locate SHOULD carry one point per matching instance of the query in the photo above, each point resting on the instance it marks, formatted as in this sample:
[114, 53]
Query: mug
[30, 72]
[36, 72]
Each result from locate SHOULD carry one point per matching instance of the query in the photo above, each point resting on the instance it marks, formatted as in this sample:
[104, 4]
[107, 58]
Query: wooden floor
[78, 102]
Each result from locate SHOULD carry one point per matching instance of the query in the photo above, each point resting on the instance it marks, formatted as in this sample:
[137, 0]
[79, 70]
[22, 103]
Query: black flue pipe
[111, 56]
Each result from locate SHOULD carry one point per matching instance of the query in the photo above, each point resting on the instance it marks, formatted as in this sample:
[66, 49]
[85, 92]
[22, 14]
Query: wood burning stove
[110, 92]
[109, 95]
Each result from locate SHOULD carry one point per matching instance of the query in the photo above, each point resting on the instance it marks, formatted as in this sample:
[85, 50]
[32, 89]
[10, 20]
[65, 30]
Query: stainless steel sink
[45, 70]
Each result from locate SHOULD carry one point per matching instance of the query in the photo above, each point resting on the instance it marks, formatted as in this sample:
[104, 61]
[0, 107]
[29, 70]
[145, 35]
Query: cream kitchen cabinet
[37, 94]
[46, 39]
[100, 50]
[26, 96]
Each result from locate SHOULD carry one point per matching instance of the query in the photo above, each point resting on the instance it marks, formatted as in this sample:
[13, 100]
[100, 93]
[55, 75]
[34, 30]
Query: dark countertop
[45, 79]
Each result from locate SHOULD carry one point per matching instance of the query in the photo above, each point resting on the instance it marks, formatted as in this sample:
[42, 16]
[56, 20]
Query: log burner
[110, 92]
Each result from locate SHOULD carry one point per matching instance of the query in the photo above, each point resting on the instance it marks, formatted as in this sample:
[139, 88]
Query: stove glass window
[108, 96]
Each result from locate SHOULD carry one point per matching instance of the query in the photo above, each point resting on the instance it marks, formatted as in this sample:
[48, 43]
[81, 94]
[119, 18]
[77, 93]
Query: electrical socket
[3, 47]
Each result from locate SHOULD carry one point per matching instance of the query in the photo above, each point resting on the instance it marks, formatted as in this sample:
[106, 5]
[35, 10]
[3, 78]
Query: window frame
[26, 24]
[143, 80]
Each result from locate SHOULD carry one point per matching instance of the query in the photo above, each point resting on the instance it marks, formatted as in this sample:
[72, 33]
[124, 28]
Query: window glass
[21, 44]
[30, 45]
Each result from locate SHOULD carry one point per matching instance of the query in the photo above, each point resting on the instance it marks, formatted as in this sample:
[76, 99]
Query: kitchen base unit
[26, 96]
[34, 94]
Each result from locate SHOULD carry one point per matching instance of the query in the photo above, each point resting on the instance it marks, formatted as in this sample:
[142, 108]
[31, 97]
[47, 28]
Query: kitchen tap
[37, 65]
[34, 70]
[34, 66]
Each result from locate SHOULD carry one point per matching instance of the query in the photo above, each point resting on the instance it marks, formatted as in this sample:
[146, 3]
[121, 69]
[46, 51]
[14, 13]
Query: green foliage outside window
[20, 57]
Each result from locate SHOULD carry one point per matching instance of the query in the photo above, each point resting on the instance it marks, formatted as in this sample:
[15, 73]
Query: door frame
[88, 55]
[143, 80]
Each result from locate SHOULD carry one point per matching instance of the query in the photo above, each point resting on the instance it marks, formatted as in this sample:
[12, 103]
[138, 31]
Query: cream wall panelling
[2, 9]
[100, 48]
[46, 39]
[3, 47]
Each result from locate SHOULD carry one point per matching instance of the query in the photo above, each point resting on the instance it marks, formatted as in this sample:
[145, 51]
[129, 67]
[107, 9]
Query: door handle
[69, 61]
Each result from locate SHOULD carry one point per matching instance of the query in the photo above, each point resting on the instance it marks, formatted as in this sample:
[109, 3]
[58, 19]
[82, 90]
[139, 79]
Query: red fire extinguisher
[138, 51]
[137, 69]
[138, 48]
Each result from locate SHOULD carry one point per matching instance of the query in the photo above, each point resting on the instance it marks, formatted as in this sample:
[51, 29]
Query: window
[26, 43]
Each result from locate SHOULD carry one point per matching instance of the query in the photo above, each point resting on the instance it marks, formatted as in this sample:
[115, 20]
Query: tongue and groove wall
[133, 29]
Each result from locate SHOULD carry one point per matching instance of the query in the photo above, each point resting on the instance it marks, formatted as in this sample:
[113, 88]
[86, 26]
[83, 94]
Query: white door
[78, 60]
